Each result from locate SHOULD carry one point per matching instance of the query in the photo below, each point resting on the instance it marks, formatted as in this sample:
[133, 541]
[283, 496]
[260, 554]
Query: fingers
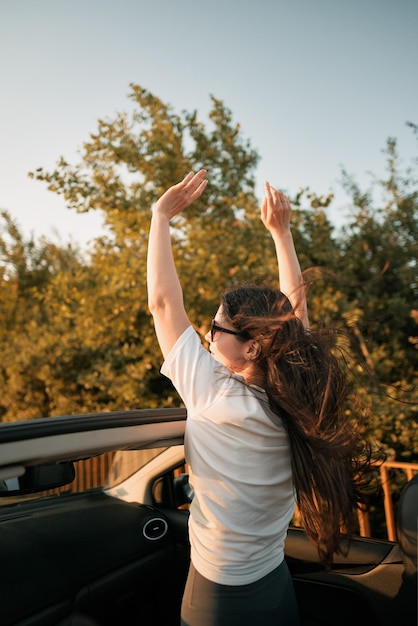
[275, 210]
[183, 193]
[284, 200]
[194, 184]
[264, 209]
[267, 189]
[192, 180]
[198, 184]
[276, 198]
[187, 178]
[200, 189]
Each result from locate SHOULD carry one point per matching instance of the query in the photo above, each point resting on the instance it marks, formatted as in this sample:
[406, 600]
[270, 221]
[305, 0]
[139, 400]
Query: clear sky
[315, 84]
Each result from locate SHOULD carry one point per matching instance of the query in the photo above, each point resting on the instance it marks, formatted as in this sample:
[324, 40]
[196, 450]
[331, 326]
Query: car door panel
[87, 553]
[361, 588]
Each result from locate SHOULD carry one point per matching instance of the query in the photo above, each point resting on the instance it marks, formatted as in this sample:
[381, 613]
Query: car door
[79, 550]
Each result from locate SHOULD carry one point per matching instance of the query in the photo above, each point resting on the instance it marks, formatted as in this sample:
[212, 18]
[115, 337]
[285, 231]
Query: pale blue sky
[315, 84]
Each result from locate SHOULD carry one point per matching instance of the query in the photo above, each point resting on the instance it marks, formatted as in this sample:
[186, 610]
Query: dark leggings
[267, 602]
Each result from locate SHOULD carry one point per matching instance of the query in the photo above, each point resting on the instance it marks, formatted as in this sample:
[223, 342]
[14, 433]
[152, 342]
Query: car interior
[93, 531]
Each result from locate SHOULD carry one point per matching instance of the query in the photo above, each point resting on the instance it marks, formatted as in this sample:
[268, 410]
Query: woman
[266, 427]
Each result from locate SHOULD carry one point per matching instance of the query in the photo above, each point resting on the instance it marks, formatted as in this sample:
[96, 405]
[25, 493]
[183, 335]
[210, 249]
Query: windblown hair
[332, 459]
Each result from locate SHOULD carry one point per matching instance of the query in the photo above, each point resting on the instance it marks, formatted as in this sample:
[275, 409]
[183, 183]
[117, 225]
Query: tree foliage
[75, 333]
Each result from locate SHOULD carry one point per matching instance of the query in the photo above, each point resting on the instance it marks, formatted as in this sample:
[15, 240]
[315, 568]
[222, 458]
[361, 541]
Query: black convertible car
[93, 530]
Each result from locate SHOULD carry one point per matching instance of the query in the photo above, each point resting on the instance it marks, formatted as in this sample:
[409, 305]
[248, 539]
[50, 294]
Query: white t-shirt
[240, 468]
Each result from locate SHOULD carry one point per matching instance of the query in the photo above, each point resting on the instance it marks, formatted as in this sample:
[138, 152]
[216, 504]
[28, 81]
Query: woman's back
[240, 468]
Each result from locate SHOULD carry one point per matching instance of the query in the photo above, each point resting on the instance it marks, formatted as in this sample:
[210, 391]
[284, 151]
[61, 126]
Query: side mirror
[38, 478]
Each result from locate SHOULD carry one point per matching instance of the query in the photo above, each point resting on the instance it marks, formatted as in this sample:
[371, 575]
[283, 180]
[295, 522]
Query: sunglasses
[214, 328]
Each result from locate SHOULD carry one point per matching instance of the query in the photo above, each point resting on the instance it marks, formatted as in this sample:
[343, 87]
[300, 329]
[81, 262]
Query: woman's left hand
[181, 195]
[275, 211]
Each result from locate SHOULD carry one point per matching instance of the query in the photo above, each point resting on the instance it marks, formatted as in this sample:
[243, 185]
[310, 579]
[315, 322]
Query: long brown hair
[332, 459]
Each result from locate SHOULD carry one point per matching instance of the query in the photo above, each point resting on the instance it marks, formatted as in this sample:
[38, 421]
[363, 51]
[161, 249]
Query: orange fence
[92, 473]
[387, 478]
[408, 471]
[393, 476]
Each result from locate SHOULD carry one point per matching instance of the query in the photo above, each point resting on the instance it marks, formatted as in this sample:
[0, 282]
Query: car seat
[407, 530]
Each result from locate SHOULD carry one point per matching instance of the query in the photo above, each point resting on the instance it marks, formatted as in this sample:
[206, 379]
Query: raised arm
[275, 215]
[165, 295]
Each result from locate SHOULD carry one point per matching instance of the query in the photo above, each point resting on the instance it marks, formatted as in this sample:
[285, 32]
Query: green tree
[124, 167]
[379, 249]
[89, 344]
[34, 327]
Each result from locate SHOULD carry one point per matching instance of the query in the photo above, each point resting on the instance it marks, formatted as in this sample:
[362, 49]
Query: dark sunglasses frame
[214, 328]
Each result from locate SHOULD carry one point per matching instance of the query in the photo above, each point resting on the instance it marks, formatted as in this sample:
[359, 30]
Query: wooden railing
[407, 471]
